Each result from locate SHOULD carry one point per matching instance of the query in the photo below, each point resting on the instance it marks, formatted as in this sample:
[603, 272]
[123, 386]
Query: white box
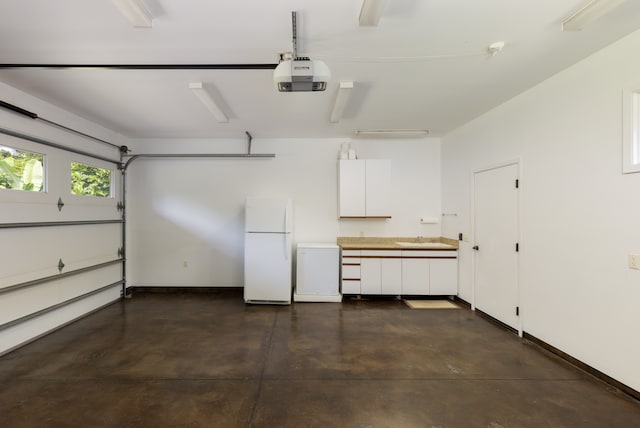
[317, 273]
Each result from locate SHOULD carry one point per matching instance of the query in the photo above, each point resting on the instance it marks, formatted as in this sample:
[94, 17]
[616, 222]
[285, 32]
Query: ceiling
[425, 66]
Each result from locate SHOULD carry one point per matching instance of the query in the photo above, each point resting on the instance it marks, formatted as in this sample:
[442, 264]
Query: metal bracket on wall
[60, 266]
[60, 204]
[121, 252]
[120, 206]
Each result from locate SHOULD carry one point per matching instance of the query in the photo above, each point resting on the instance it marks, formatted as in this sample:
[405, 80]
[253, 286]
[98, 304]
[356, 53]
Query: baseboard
[316, 298]
[462, 302]
[563, 355]
[180, 289]
[583, 366]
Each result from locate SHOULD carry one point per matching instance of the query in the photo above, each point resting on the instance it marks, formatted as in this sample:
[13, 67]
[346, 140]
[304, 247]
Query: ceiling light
[206, 99]
[371, 12]
[392, 133]
[135, 11]
[592, 11]
[342, 99]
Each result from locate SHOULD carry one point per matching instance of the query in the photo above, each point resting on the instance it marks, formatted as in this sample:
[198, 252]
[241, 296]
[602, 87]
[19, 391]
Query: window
[21, 170]
[631, 130]
[90, 180]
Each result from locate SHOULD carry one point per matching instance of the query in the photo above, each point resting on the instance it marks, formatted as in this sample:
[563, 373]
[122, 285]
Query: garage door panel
[15, 336]
[22, 302]
[47, 211]
[34, 253]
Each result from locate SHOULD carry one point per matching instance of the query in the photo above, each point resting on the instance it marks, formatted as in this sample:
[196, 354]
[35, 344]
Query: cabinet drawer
[350, 253]
[429, 254]
[381, 253]
[350, 286]
[351, 271]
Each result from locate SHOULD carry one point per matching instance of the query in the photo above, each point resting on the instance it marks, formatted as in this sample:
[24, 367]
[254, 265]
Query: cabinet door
[415, 276]
[370, 279]
[444, 276]
[351, 286]
[378, 188]
[352, 188]
[391, 276]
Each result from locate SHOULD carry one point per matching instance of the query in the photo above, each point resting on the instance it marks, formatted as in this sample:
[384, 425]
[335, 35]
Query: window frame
[99, 165]
[45, 169]
[631, 129]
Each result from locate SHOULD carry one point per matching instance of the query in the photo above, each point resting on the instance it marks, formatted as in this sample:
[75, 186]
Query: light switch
[634, 261]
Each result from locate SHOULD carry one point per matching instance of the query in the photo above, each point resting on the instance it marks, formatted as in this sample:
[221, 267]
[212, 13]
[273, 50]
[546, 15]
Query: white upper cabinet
[352, 188]
[365, 187]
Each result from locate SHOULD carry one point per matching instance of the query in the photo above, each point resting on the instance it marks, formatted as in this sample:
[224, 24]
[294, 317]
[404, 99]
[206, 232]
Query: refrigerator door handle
[286, 220]
[287, 241]
[287, 245]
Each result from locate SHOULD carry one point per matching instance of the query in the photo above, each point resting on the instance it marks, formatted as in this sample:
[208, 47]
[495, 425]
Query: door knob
[475, 247]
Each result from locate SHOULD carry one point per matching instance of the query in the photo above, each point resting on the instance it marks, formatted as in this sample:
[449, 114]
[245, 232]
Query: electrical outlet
[634, 261]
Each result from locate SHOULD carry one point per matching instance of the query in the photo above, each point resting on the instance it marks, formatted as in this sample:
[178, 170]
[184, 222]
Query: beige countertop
[398, 243]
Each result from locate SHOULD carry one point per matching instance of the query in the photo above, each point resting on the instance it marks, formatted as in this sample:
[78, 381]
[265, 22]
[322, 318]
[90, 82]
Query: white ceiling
[425, 66]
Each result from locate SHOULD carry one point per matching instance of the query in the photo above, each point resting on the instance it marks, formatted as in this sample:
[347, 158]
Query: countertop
[387, 243]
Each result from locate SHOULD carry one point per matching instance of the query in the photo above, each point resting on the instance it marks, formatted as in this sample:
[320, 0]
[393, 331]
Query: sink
[424, 244]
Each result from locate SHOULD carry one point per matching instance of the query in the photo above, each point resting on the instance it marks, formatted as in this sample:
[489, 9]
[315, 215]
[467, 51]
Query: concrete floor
[206, 359]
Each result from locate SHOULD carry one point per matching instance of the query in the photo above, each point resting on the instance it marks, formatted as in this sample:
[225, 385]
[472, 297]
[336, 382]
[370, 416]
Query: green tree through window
[90, 180]
[21, 170]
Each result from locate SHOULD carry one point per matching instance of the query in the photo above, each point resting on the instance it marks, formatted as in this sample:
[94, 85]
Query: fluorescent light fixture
[344, 93]
[392, 133]
[589, 13]
[206, 99]
[371, 12]
[135, 11]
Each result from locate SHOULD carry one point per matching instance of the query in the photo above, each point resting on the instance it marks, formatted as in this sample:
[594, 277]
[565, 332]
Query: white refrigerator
[267, 250]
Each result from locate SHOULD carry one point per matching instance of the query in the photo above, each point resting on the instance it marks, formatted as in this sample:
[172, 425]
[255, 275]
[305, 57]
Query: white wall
[579, 213]
[193, 209]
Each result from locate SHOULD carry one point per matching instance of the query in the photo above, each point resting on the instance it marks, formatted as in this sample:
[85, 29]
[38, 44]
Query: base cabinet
[415, 276]
[351, 272]
[400, 272]
[443, 276]
[391, 276]
[370, 279]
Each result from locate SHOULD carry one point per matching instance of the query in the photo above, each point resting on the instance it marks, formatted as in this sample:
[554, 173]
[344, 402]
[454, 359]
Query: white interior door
[496, 236]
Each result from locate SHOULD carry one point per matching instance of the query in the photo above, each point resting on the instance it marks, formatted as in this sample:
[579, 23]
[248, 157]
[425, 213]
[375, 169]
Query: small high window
[631, 131]
[90, 180]
[21, 170]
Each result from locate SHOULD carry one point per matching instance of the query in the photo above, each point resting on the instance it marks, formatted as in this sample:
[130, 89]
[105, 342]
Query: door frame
[514, 161]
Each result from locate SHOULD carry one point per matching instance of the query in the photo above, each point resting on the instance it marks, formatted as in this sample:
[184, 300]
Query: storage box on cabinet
[351, 272]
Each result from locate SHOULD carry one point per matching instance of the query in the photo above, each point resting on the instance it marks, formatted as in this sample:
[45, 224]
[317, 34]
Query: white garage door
[61, 236]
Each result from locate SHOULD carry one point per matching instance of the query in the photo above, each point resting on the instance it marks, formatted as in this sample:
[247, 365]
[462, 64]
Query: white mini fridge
[317, 273]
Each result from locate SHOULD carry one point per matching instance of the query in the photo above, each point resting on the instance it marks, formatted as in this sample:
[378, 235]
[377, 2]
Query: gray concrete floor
[207, 359]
